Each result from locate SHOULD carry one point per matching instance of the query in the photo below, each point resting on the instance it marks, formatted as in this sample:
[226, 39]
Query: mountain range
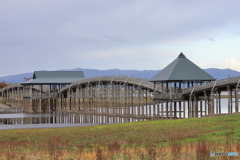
[146, 74]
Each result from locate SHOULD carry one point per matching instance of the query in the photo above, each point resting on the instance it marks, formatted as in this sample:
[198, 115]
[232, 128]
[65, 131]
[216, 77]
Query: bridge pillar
[211, 103]
[190, 104]
[30, 104]
[205, 102]
[236, 100]
[229, 99]
[76, 107]
[170, 105]
[219, 102]
[68, 100]
[193, 106]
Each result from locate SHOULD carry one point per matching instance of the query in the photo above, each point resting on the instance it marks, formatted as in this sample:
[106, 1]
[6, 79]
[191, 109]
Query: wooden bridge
[115, 97]
[123, 99]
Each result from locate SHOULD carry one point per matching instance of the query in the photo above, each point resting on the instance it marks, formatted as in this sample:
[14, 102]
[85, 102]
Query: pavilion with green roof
[179, 74]
[180, 70]
[54, 77]
[49, 84]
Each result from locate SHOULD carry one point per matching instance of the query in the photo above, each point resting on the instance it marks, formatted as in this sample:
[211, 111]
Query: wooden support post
[195, 106]
[170, 88]
[162, 109]
[217, 102]
[30, 99]
[76, 107]
[229, 100]
[167, 109]
[205, 102]
[190, 107]
[212, 102]
[184, 109]
[236, 100]
[220, 106]
[175, 110]
[180, 110]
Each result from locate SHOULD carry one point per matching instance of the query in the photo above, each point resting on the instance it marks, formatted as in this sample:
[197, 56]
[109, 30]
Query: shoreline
[49, 126]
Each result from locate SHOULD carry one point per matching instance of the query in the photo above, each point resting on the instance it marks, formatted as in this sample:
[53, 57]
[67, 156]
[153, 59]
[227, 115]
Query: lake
[55, 119]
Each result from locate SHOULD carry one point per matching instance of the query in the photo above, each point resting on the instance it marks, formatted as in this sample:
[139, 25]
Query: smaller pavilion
[180, 74]
[49, 83]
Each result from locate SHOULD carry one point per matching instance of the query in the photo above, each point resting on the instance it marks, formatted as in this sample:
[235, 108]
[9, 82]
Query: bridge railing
[133, 81]
[211, 85]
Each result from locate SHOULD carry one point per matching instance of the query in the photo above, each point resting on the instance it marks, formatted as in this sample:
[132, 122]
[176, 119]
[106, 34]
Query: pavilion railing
[41, 95]
[165, 96]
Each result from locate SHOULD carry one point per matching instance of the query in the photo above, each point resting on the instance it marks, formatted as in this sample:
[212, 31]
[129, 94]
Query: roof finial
[181, 55]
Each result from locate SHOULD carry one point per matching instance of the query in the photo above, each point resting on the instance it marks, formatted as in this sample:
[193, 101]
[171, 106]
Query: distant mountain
[16, 78]
[222, 73]
[146, 74]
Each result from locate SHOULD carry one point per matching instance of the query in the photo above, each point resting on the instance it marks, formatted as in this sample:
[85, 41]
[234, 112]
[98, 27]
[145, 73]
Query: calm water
[54, 120]
[43, 120]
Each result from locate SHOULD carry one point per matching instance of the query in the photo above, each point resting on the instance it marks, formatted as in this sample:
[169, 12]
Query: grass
[191, 138]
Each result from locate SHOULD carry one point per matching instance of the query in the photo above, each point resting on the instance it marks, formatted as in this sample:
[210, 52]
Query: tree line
[3, 84]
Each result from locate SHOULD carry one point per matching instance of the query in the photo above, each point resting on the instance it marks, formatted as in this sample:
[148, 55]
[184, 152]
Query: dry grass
[168, 139]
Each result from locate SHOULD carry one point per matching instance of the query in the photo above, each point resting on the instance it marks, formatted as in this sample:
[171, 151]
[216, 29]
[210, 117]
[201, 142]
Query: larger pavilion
[181, 71]
[179, 74]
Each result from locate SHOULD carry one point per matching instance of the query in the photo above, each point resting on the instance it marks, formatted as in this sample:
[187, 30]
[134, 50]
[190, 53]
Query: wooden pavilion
[49, 82]
[179, 74]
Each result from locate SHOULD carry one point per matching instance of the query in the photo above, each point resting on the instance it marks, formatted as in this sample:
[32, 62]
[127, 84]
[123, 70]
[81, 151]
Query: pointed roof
[54, 77]
[182, 69]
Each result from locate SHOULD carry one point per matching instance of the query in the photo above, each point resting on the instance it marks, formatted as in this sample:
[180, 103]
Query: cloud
[230, 63]
[49, 34]
[211, 39]
[233, 63]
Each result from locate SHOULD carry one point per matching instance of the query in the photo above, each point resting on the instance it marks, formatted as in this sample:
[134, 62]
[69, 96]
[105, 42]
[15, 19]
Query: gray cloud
[46, 34]
[211, 39]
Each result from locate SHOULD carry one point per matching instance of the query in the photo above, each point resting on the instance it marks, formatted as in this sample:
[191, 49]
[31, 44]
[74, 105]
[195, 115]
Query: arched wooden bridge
[122, 99]
[114, 97]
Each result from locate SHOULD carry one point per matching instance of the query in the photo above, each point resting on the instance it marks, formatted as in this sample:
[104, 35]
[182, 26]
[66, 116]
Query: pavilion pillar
[170, 89]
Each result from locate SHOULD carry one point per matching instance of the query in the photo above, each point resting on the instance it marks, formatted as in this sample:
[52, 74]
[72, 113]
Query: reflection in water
[14, 117]
[43, 118]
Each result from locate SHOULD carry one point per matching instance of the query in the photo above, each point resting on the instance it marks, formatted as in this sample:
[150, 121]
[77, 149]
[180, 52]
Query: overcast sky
[117, 34]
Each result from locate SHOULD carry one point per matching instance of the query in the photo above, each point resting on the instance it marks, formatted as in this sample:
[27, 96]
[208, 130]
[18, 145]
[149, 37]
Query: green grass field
[184, 139]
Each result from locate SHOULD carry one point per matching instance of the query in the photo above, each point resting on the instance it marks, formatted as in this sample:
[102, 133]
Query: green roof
[182, 69]
[54, 77]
